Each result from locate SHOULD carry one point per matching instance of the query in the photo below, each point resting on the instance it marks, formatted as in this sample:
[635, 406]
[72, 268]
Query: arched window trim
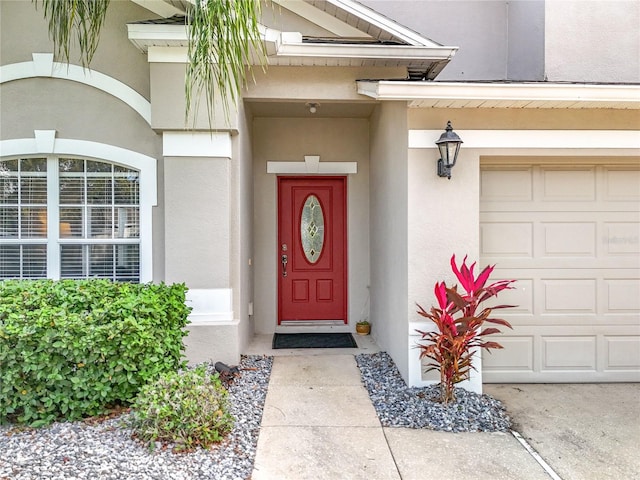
[45, 144]
[43, 65]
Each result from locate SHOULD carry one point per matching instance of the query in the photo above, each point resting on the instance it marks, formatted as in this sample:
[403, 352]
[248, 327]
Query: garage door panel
[506, 185]
[557, 206]
[573, 264]
[621, 184]
[622, 295]
[573, 243]
[568, 353]
[622, 353]
[570, 298]
[575, 239]
[507, 238]
[622, 238]
[516, 356]
[569, 295]
[575, 185]
[565, 354]
[570, 320]
[521, 297]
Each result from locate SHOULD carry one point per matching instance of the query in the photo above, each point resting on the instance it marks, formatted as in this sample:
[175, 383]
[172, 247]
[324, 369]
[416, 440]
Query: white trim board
[502, 95]
[44, 66]
[312, 166]
[210, 305]
[196, 144]
[286, 48]
[384, 23]
[534, 139]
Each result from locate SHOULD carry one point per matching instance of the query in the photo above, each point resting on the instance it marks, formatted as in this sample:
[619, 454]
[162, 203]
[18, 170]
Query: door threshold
[314, 327]
[312, 323]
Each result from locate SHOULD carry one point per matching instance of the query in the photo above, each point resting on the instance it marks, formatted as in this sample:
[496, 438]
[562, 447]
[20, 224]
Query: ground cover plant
[459, 325]
[75, 348]
[186, 409]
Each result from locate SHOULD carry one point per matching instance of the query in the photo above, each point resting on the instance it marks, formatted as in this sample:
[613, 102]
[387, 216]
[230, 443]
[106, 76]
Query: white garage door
[570, 235]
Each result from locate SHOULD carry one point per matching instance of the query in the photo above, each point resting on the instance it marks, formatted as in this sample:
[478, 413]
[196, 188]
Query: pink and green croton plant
[459, 325]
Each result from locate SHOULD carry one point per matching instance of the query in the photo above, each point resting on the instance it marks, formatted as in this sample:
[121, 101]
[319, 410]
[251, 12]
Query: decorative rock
[400, 406]
[105, 450]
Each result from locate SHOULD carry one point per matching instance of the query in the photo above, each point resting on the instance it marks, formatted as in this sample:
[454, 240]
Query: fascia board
[149, 35]
[140, 32]
[400, 52]
[289, 44]
[158, 32]
[386, 90]
[384, 23]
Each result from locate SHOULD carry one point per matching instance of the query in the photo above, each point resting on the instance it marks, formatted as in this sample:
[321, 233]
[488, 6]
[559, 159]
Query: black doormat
[313, 340]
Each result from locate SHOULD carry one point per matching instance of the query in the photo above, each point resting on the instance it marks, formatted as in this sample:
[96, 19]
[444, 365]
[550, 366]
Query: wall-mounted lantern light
[449, 145]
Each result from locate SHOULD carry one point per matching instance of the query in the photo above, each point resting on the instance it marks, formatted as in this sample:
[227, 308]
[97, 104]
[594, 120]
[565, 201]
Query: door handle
[284, 259]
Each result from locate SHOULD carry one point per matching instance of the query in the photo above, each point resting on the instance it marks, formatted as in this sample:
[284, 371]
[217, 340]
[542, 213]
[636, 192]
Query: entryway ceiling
[300, 109]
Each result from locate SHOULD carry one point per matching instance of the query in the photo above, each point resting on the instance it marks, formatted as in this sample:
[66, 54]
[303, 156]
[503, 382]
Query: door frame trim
[312, 166]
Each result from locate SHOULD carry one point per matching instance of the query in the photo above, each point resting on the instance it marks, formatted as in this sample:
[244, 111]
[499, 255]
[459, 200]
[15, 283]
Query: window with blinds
[23, 218]
[87, 226]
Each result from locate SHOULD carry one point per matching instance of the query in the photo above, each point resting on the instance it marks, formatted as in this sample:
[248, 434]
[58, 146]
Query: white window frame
[45, 144]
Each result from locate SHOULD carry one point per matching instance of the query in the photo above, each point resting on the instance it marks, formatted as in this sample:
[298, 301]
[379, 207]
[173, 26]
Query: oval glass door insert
[312, 228]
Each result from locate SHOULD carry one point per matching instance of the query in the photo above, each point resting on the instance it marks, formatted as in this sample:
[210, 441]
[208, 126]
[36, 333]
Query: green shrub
[187, 409]
[73, 348]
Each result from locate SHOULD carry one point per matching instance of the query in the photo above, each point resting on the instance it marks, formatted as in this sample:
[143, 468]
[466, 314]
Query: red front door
[312, 250]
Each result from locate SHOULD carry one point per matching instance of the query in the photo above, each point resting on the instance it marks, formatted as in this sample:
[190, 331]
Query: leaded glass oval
[312, 228]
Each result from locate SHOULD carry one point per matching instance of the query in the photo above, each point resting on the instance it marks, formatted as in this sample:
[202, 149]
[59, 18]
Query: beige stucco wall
[116, 56]
[242, 228]
[315, 83]
[290, 139]
[594, 41]
[77, 111]
[70, 107]
[389, 229]
[443, 220]
[169, 104]
[197, 221]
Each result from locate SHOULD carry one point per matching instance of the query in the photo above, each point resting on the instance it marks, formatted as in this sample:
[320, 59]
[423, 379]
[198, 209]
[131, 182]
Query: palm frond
[78, 21]
[222, 36]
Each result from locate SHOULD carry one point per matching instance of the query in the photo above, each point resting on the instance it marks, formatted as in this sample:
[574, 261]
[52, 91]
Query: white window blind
[90, 221]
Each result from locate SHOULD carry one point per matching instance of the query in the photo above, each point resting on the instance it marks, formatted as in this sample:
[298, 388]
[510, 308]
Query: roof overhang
[289, 48]
[503, 95]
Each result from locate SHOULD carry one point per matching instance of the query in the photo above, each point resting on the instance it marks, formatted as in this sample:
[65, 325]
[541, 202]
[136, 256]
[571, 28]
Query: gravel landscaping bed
[400, 406]
[105, 450]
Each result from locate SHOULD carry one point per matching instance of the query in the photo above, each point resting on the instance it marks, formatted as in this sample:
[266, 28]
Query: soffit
[504, 95]
[300, 109]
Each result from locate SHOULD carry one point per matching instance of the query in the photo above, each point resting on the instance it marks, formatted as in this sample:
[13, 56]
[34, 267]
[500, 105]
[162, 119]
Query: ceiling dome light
[312, 106]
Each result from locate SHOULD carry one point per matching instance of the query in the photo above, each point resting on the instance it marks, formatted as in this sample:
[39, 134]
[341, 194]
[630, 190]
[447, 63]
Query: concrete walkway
[319, 423]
